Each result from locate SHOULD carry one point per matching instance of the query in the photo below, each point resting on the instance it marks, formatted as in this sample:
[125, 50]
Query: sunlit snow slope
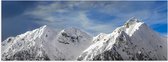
[132, 41]
[45, 43]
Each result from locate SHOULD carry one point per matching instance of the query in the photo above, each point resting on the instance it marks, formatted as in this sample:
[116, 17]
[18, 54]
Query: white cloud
[74, 14]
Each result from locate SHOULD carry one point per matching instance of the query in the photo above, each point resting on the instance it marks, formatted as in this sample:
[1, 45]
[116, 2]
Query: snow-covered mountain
[132, 41]
[45, 43]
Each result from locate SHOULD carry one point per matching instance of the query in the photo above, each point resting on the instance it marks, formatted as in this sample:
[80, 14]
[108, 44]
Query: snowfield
[132, 41]
[46, 44]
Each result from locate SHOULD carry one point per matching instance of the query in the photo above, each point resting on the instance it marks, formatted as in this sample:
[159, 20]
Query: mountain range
[132, 41]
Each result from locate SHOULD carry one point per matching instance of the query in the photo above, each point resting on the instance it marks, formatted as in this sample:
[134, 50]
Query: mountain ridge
[132, 41]
[47, 42]
[125, 43]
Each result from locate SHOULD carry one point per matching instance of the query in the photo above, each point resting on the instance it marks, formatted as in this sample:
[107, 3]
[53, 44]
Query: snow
[45, 41]
[73, 48]
[134, 40]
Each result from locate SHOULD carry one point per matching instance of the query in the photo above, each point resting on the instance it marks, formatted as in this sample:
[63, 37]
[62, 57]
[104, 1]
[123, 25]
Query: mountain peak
[132, 41]
[45, 43]
[72, 28]
[132, 20]
[44, 26]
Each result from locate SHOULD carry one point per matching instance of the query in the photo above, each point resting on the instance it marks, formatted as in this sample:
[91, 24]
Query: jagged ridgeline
[132, 41]
[45, 43]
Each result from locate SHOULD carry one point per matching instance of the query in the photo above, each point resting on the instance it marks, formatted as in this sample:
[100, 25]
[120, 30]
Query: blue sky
[93, 17]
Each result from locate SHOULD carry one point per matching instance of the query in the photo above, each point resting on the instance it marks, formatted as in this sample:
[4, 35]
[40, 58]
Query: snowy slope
[132, 41]
[45, 43]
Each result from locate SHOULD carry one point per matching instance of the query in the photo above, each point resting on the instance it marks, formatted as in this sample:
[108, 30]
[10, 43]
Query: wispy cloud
[76, 14]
